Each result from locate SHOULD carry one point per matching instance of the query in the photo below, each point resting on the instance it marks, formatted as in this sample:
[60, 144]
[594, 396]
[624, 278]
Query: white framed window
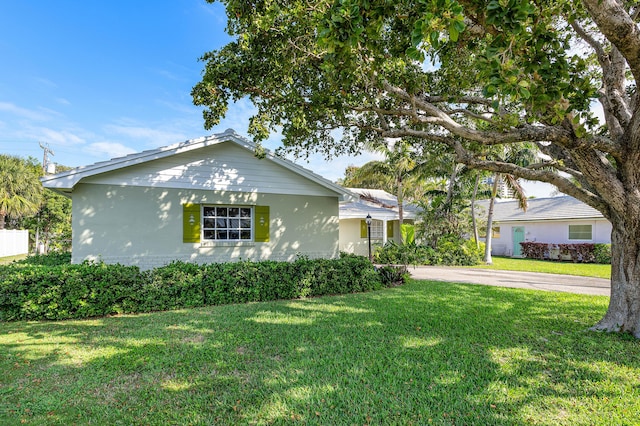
[376, 229]
[227, 223]
[580, 232]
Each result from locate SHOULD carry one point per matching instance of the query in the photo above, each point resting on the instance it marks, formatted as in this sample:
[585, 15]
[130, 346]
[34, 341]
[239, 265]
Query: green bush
[602, 253]
[36, 292]
[448, 252]
[578, 252]
[50, 259]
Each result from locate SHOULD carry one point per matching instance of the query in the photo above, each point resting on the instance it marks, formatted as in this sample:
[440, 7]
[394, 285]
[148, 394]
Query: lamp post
[368, 220]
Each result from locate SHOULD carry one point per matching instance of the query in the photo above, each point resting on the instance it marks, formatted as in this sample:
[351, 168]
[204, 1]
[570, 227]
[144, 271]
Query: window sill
[227, 244]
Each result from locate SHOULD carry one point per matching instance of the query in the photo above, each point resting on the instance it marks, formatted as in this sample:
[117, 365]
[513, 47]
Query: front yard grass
[549, 266]
[423, 353]
[8, 259]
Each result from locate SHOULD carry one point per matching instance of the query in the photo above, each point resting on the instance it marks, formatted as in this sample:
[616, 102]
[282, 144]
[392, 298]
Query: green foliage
[408, 232]
[581, 252]
[20, 189]
[48, 287]
[445, 215]
[52, 222]
[602, 253]
[50, 259]
[448, 252]
[393, 274]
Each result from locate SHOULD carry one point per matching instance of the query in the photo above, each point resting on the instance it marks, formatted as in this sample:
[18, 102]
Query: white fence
[14, 242]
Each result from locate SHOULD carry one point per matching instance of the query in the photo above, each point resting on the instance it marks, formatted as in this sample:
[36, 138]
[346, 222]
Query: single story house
[204, 200]
[385, 223]
[556, 220]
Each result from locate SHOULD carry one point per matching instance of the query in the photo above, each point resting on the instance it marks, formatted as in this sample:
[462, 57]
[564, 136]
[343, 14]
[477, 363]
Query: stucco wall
[352, 242]
[555, 232]
[143, 226]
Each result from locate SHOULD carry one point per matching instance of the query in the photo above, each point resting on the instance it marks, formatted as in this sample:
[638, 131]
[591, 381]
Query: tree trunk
[2, 219]
[487, 241]
[400, 199]
[473, 210]
[623, 314]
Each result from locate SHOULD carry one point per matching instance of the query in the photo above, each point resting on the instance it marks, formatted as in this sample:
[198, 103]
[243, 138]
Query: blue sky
[97, 80]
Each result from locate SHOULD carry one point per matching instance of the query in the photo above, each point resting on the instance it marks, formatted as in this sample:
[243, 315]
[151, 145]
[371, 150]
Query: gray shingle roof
[555, 208]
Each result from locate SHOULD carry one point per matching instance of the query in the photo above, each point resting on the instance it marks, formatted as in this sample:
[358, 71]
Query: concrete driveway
[530, 280]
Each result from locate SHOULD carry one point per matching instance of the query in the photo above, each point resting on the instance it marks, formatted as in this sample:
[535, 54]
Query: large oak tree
[468, 75]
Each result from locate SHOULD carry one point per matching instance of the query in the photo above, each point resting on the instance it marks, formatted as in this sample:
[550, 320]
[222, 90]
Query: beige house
[382, 207]
[204, 200]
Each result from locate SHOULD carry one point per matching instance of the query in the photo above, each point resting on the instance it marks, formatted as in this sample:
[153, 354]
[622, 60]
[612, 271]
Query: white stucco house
[385, 223]
[556, 220]
[204, 200]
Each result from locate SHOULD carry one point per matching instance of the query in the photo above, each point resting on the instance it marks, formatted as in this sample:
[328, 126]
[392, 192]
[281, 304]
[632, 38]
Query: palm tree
[20, 188]
[522, 155]
[400, 166]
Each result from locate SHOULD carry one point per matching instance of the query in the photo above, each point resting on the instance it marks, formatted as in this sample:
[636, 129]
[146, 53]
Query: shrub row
[35, 292]
[463, 253]
[582, 252]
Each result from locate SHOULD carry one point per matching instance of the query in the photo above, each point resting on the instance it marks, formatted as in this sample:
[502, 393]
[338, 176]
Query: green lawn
[423, 353]
[8, 259]
[548, 266]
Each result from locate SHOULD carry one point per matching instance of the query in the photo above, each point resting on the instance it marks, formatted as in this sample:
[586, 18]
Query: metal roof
[65, 181]
[376, 202]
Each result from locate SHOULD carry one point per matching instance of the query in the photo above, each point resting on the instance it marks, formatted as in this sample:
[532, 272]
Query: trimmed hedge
[37, 292]
[451, 253]
[581, 252]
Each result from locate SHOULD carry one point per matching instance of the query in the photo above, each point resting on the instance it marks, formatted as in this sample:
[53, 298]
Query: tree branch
[617, 26]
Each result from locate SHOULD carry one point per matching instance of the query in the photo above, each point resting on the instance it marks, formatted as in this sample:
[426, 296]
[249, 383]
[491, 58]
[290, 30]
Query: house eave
[66, 181]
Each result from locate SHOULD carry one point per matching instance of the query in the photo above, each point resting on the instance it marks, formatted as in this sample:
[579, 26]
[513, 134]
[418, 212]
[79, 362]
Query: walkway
[529, 280]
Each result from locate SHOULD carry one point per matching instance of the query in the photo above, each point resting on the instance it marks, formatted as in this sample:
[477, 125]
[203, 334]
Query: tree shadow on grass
[423, 353]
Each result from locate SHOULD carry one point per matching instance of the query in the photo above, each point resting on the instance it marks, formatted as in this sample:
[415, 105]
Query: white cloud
[151, 136]
[29, 114]
[45, 82]
[108, 149]
[60, 137]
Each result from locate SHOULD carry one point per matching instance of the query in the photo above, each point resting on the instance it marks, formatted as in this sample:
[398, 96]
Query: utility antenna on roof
[45, 160]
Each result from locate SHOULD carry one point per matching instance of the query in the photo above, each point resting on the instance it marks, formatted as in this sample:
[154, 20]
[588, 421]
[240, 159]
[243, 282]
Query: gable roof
[376, 202]
[542, 209]
[64, 182]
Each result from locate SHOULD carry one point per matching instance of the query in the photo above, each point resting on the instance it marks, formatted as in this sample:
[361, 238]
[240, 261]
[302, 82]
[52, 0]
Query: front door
[518, 237]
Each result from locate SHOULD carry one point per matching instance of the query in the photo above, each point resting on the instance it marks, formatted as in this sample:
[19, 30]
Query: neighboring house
[385, 224]
[204, 200]
[557, 220]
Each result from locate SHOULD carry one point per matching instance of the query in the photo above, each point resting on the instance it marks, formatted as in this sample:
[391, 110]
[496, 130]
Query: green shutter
[191, 223]
[390, 229]
[363, 229]
[261, 224]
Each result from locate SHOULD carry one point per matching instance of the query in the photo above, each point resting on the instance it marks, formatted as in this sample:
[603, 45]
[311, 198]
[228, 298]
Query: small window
[495, 232]
[227, 223]
[376, 229]
[580, 232]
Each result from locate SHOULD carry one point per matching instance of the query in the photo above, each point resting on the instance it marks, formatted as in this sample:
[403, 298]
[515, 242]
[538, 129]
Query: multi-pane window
[580, 232]
[225, 223]
[376, 229]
